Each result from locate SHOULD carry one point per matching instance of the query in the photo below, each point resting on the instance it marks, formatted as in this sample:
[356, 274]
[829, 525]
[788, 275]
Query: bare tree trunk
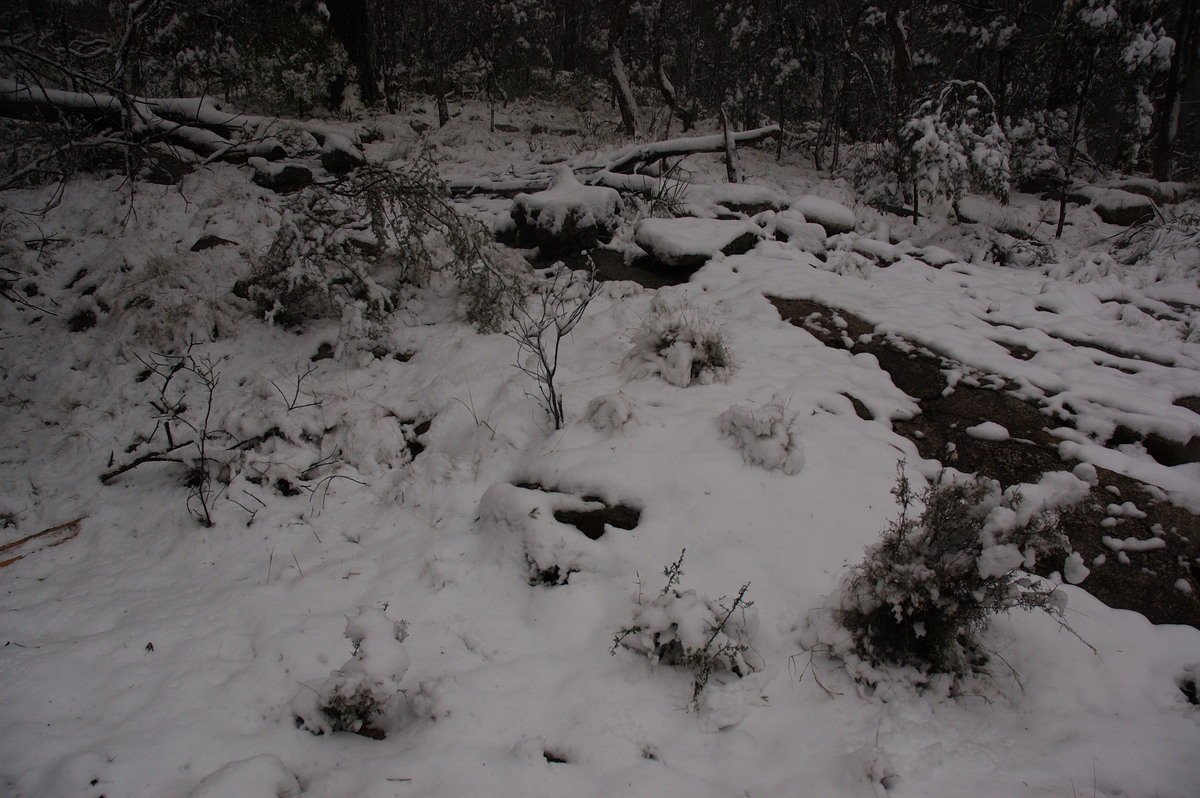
[733, 166]
[351, 24]
[901, 64]
[1170, 107]
[620, 77]
[1076, 130]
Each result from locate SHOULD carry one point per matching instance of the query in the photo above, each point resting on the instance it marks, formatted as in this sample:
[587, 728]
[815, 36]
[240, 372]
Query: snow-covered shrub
[362, 690]
[686, 629]
[611, 412]
[343, 249]
[1022, 253]
[765, 435]
[925, 591]
[681, 344]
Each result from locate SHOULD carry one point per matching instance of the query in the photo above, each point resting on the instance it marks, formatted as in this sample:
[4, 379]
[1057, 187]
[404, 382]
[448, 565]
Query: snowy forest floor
[413, 475]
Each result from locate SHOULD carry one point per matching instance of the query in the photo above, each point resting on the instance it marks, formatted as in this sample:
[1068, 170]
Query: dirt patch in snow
[592, 522]
[1160, 581]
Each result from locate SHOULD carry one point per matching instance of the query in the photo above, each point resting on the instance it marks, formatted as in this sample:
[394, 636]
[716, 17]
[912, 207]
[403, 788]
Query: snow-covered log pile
[200, 128]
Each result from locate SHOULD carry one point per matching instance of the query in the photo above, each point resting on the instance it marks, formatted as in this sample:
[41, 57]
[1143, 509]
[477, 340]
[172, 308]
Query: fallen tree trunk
[196, 124]
[628, 159]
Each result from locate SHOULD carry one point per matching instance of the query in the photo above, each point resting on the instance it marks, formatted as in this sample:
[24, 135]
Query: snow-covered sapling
[539, 324]
[686, 629]
[187, 429]
[952, 140]
[680, 344]
[926, 590]
[363, 689]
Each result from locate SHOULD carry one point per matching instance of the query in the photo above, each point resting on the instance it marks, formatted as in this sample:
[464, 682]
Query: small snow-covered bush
[680, 344]
[362, 690]
[925, 591]
[683, 628]
[765, 436]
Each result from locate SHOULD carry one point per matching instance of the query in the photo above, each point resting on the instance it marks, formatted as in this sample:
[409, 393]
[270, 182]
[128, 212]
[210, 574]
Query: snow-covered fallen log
[194, 123]
[624, 161]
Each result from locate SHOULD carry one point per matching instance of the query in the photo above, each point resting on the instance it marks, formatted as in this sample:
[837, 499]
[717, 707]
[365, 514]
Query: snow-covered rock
[339, 154]
[1115, 206]
[743, 198]
[833, 216]
[690, 242]
[281, 176]
[1005, 218]
[792, 227]
[568, 216]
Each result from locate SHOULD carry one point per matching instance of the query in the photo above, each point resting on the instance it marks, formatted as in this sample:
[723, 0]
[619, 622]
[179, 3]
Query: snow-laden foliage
[216, 48]
[690, 630]
[765, 435]
[953, 141]
[924, 592]
[680, 343]
[342, 251]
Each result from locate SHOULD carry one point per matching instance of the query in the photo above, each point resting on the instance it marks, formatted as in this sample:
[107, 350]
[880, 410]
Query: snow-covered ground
[149, 655]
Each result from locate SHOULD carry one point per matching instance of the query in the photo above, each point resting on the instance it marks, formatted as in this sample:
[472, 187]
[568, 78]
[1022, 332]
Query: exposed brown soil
[592, 522]
[1145, 581]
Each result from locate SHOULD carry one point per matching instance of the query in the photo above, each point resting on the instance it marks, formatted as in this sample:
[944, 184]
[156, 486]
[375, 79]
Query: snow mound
[765, 436]
[611, 412]
[550, 549]
[833, 216]
[262, 776]
[691, 242]
[792, 226]
[988, 431]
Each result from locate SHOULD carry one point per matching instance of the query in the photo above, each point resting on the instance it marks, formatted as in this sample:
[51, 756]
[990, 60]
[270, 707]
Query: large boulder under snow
[690, 242]
[567, 217]
[833, 216]
[1114, 206]
[1005, 218]
[722, 199]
